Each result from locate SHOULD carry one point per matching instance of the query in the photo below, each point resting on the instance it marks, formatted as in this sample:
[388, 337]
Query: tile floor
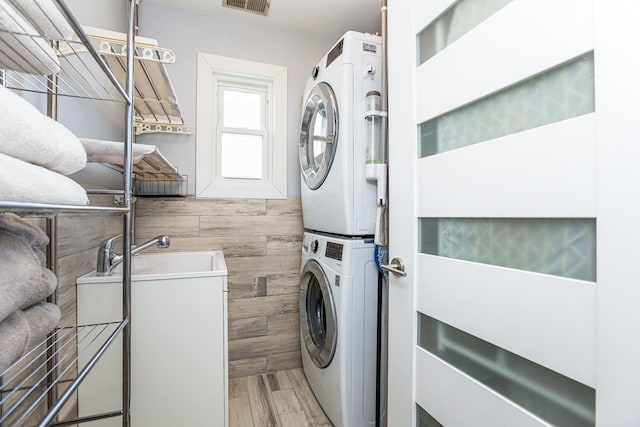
[278, 399]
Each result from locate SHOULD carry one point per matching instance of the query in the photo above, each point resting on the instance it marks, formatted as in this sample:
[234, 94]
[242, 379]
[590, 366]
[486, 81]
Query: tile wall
[261, 240]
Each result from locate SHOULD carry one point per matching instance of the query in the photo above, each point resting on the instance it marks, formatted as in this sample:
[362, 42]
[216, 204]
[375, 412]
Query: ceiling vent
[261, 7]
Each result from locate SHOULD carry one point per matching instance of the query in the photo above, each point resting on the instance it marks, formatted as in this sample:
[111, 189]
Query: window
[241, 140]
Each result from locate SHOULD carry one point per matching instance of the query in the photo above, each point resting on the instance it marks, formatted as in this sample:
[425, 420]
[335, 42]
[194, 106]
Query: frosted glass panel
[241, 156]
[561, 247]
[551, 396]
[558, 94]
[242, 110]
[424, 419]
[453, 24]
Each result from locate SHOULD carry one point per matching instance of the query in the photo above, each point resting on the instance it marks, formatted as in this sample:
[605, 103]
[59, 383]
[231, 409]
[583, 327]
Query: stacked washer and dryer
[339, 277]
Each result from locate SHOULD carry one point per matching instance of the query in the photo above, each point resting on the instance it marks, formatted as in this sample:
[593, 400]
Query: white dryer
[338, 306]
[336, 197]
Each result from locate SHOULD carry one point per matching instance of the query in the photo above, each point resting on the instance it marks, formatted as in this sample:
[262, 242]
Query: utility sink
[166, 265]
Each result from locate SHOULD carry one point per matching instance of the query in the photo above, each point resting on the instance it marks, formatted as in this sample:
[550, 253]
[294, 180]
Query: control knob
[314, 246]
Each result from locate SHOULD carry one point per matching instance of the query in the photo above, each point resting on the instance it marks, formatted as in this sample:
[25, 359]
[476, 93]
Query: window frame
[214, 72]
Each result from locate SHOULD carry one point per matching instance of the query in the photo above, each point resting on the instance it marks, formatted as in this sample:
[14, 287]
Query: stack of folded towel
[25, 319]
[35, 154]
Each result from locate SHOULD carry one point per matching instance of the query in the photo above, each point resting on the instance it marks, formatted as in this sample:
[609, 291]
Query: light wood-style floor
[278, 399]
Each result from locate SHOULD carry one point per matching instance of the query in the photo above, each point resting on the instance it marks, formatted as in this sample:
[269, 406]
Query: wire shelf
[63, 61]
[160, 184]
[25, 385]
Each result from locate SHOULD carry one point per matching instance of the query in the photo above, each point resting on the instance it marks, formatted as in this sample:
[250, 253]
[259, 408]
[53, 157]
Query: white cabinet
[178, 349]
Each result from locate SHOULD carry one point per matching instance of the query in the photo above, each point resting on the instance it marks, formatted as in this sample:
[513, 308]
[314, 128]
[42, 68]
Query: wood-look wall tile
[67, 304]
[284, 245]
[231, 246]
[241, 286]
[283, 323]
[72, 266]
[155, 206]
[176, 226]
[280, 361]
[243, 308]
[244, 367]
[264, 266]
[77, 234]
[290, 206]
[247, 328]
[248, 348]
[250, 225]
[282, 284]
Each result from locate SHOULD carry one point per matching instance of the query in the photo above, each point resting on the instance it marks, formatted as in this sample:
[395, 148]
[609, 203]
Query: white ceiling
[328, 18]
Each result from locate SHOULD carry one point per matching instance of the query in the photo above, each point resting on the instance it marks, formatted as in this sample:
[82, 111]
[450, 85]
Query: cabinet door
[178, 353]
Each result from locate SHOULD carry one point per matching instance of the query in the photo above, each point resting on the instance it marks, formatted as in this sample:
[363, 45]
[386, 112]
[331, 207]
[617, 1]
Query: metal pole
[52, 256]
[126, 264]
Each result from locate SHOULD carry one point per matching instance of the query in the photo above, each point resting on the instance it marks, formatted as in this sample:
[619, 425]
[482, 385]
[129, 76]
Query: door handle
[396, 267]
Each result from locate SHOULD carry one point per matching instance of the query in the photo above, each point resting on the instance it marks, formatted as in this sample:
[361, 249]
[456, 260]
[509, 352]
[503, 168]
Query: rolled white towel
[29, 135]
[46, 17]
[42, 318]
[14, 338]
[21, 48]
[24, 182]
[99, 151]
[20, 273]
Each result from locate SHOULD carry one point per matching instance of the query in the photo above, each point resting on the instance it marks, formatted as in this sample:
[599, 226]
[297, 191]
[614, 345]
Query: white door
[514, 204]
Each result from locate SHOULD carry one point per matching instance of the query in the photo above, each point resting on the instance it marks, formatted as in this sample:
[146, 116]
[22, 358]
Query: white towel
[27, 51]
[112, 152]
[29, 135]
[23, 182]
[14, 337]
[20, 273]
[45, 287]
[42, 318]
[46, 17]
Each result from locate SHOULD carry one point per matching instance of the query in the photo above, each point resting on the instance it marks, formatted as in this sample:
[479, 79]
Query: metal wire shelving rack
[46, 374]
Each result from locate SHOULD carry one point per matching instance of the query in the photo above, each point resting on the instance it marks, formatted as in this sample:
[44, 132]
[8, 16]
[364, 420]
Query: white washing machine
[338, 324]
[336, 197]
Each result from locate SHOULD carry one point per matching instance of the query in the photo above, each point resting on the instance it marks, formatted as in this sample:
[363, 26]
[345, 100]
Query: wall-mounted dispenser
[376, 166]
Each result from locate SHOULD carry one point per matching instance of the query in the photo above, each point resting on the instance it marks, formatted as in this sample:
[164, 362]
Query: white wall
[188, 33]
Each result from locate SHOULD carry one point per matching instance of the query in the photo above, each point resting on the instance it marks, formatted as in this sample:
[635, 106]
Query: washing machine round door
[318, 321]
[318, 135]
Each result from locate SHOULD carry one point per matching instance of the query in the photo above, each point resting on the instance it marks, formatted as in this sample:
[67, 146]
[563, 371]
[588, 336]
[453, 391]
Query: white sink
[166, 265]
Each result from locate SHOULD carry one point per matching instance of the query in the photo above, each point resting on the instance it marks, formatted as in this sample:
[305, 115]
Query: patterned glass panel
[557, 246]
[551, 396]
[459, 19]
[558, 94]
[424, 419]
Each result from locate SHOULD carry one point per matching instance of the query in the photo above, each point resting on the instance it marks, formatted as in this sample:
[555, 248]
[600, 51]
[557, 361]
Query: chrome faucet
[108, 260]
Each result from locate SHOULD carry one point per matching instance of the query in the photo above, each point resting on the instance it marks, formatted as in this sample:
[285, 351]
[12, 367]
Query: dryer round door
[318, 135]
[318, 321]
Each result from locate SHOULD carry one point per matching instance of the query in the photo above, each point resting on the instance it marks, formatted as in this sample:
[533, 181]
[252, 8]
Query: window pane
[462, 17]
[241, 156]
[559, 246]
[242, 110]
[558, 94]
[553, 397]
